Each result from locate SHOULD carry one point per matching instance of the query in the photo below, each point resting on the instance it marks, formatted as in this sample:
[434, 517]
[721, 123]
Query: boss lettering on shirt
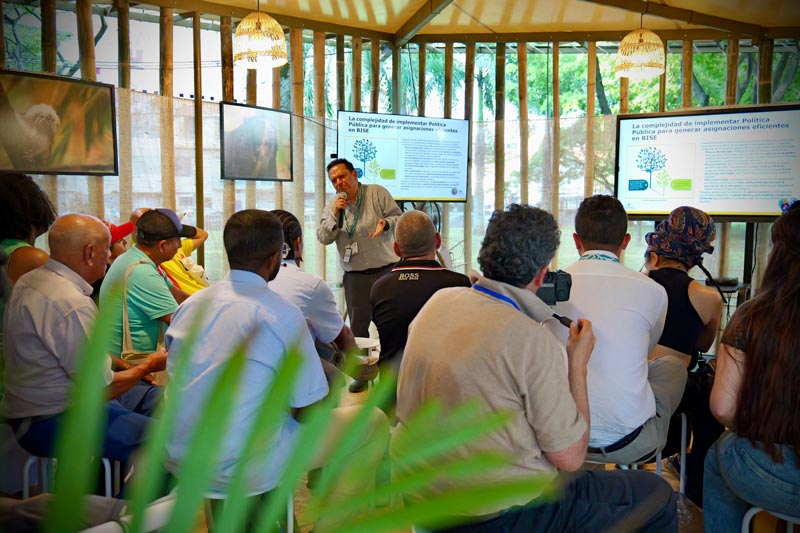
[408, 276]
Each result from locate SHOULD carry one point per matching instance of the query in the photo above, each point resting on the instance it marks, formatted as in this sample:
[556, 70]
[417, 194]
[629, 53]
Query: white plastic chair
[47, 468]
[791, 521]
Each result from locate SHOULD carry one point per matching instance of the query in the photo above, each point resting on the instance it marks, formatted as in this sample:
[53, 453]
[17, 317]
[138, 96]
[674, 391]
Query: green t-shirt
[8, 247]
[149, 298]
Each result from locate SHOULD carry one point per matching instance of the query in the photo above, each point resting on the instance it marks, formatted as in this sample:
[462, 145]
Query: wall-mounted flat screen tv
[737, 164]
[256, 143]
[415, 158]
[56, 125]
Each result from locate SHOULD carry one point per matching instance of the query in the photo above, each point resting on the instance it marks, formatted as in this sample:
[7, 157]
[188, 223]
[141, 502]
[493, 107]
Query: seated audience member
[694, 311]
[631, 399]
[118, 246]
[312, 295]
[755, 395]
[398, 295]
[48, 318]
[486, 344]
[25, 214]
[243, 306]
[151, 299]
[183, 270]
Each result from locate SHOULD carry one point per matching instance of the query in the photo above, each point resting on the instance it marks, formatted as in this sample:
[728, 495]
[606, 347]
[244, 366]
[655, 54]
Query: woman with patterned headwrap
[693, 316]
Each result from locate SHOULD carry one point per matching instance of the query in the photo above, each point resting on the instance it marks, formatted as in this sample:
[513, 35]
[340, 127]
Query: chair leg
[658, 463]
[682, 477]
[26, 477]
[748, 517]
[290, 514]
[107, 475]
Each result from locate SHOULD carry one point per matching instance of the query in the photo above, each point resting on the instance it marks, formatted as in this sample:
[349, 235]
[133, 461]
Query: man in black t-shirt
[399, 294]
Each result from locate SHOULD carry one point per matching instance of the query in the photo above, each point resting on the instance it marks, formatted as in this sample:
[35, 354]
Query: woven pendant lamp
[259, 42]
[640, 55]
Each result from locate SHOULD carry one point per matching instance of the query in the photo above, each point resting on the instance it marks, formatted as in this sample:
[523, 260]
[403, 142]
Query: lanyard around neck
[495, 294]
[598, 257]
[351, 229]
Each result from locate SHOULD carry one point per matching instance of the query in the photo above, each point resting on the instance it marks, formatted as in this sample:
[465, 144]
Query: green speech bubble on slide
[683, 184]
[388, 173]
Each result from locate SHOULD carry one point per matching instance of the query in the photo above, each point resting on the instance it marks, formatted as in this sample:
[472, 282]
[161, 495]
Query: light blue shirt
[239, 305]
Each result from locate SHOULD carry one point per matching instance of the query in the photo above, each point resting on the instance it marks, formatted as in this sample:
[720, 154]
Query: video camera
[556, 287]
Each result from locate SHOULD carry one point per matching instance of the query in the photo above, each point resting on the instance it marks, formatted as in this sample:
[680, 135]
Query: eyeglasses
[285, 251]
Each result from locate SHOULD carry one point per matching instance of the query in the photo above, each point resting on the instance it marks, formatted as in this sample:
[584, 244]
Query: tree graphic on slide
[650, 160]
[364, 150]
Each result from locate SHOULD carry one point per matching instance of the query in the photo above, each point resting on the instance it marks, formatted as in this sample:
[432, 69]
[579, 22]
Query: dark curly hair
[519, 242]
[23, 205]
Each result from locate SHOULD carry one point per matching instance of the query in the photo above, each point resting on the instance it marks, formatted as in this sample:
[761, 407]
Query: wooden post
[732, 72]
[2, 41]
[298, 163]
[320, 177]
[83, 12]
[448, 113]
[524, 133]
[624, 88]
[591, 88]
[250, 190]
[50, 182]
[556, 139]
[686, 75]
[662, 82]
[375, 74]
[276, 104]
[198, 130]
[226, 52]
[765, 53]
[167, 119]
[396, 87]
[499, 125]
[423, 59]
[356, 89]
[49, 36]
[340, 88]
[469, 99]
[124, 109]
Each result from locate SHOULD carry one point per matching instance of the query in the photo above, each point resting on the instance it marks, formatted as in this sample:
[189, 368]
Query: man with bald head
[49, 316]
[398, 295]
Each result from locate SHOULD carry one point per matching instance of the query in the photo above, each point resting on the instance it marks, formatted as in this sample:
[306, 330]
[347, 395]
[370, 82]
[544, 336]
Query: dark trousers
[703, 428]
[127, 420]
[632, 500]
[357, 286]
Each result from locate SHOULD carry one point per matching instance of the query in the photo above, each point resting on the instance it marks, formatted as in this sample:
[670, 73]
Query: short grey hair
[519, 242]
[415, 234]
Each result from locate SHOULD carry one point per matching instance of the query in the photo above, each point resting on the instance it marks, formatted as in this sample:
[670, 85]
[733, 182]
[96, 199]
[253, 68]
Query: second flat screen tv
[256, 143]
[737, 164]
[414, 158]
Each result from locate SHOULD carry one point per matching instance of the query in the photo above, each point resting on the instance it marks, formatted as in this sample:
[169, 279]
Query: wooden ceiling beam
[564, 36]
[419, 19]
[683, 15]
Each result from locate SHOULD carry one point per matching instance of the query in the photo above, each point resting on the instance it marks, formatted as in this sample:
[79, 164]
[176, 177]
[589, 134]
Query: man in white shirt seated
[310, 293]
[242, 306]
[631, 398]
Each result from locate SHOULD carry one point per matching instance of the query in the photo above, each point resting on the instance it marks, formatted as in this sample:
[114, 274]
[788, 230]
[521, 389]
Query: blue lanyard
[495, 294]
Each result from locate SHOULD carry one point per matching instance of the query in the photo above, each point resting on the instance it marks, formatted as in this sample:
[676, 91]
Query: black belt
[621, 443]
[371, 270]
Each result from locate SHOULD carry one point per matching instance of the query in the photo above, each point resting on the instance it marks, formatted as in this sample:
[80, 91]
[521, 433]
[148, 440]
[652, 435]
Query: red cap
[121, 231]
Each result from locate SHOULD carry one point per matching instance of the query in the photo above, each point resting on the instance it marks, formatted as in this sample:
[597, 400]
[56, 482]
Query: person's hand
[378, 229]
[341, 203]
[580, 342]
[157, 360]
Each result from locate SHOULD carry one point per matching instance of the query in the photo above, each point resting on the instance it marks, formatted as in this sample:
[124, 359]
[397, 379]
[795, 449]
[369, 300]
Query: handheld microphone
[340, 221]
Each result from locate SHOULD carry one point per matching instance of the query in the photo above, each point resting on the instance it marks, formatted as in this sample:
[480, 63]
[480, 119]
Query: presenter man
[359, 219]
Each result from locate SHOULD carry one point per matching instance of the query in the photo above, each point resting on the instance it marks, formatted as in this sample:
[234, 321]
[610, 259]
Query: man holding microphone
[360, 219]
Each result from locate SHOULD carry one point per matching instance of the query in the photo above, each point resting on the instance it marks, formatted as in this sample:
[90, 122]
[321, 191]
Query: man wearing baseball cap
[150, 296]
